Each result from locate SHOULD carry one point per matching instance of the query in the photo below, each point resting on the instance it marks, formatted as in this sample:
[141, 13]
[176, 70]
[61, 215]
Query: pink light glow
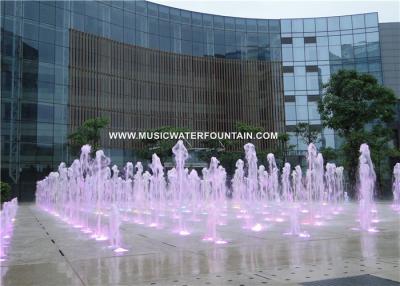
[258, 227]
[221, 242]
[184, 233]
[279, 219]
[120, 250]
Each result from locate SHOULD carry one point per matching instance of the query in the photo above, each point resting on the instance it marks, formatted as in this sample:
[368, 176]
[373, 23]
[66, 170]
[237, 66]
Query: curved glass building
[145, 65]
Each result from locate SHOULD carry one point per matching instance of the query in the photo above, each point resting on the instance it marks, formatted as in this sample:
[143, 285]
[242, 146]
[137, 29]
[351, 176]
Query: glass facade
[35, 50]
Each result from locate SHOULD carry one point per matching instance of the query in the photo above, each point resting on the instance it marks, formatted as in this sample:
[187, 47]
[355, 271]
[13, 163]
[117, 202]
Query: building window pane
[358, 21]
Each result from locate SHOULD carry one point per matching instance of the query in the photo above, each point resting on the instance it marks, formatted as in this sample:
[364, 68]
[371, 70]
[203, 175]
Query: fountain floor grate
[360, 280]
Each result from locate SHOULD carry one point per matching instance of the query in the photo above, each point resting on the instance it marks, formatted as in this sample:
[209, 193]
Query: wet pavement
[46, 251]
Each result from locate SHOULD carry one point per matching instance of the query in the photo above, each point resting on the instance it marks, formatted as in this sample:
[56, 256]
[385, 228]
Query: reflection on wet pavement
[46, 251]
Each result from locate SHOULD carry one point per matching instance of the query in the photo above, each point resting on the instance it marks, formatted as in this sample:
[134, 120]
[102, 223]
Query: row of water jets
[7, 218]
[95, 198]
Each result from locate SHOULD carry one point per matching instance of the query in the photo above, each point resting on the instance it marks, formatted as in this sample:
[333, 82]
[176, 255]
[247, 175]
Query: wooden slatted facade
[140, 89]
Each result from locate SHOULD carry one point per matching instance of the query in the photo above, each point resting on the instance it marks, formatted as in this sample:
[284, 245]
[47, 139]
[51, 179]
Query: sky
[389, 10]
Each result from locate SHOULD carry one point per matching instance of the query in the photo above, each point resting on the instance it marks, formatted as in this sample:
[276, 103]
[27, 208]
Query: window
[345, 23]
[309, 25]
[287, 54]
[116, 16]
[371, 20]
[31, 10]
[323, 53]
[333, 23]
[310, 40]
[197, 19]
[311, 68]
[358, 21]
[229, 23]
[286, 41]
[297, 26]
[153, 25]
[288, 69]
[286, 26]
[288, 82]
[46, 35]
[311, 53]
[298, 54]
[218, 22]
[251, 25]
[240, 24]
[321, 24]
[47, 14]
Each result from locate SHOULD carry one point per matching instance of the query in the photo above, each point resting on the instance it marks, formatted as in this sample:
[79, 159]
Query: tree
[89, 133]
[284, 147]
[359, 109]
[5, 193]
[309, 134]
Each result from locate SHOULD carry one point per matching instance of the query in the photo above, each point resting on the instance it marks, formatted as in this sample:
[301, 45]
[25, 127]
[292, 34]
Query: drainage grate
[361, 280]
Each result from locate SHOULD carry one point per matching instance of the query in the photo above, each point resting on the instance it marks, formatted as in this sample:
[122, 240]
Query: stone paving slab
[44, 250]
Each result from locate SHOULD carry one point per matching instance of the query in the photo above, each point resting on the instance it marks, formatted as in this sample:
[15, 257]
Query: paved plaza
[47, 251]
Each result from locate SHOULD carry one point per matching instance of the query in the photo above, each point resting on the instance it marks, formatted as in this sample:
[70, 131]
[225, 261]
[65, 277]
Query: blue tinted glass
[371, 20]
[298, 54]
[46, 34]
[141, 23]
[321, 24]
[219, 37]
[345, 22]
[198, 34]
[186, 47]
[230, 38]
[152, 9]
[240, 24]
[91, 25]
[262, 25]
[219, 51]
[207, 20]
[263, 39]
[275, 40]
[117, 33]
[141, 7]
[323, 53]
[372, 37]
[311, 53]
[153, 25]
[197, 19]
[347, 40]
[186, 32]
[163, 12]
[129, 6]
[31, 10]
[175, 15]
[31, 30]
[229, 23]
[176, 30]
[46, 53]
[129, 36]
[287, 54]
[165, 28]
[47, 14]
[198, 49]
[78, 6]
[165, 44]
[309, 25]
[186, 17]
[274, 26]
[116, 16]
[333, 23]
[335, 53]
[359, 39]
[297, 26]
[251, 25]
[300, 82]
[129, 20]
[104, 12]
[334, 40]
[358, 21]
[154, 41]
[91, 8]
[360, 51]
[286, 26]
[218, 22]
[252, 39]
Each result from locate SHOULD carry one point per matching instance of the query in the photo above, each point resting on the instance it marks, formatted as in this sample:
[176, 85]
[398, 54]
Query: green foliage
[89, 133]
[5, 192]
[309, 134]
[284, 147]
[359, 109]
[329, 154]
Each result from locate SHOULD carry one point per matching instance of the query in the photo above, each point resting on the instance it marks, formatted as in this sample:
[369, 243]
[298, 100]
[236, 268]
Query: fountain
[366, 188]
[396, 187]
